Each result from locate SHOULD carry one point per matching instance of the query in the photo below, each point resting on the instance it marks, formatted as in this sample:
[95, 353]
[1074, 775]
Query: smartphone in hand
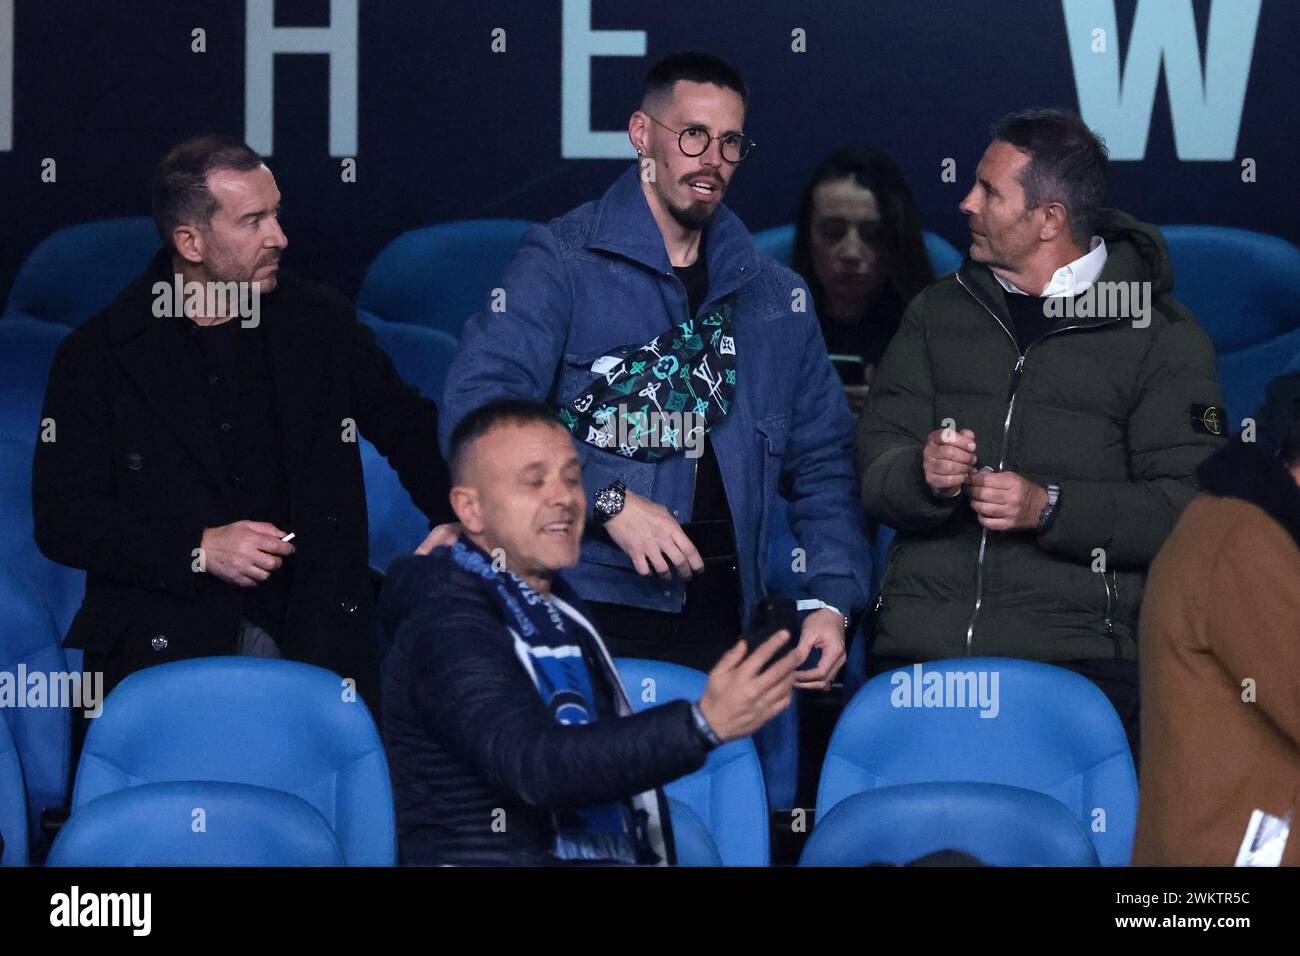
[773, 614]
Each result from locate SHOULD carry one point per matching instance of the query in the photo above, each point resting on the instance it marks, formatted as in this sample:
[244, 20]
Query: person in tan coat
[1220, 654]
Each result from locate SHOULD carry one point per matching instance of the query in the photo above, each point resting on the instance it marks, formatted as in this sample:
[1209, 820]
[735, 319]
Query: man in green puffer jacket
[1035, 450]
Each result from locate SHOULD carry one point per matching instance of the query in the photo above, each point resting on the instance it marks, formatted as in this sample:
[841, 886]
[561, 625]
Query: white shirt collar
[1073, 277]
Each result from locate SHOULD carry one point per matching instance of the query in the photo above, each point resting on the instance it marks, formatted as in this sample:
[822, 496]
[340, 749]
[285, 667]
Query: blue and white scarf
[630, 831]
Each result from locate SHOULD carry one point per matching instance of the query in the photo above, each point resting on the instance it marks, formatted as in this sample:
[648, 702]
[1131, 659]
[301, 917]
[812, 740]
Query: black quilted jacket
[477, 760]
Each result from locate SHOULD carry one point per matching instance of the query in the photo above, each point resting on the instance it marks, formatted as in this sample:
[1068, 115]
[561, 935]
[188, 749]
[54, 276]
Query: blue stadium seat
[29, 645]
[691, 837]
[439, 276]
[996, 824]
[422, 356]
[78, 270]
[1244, 288]
[944, 256]
[778, 242]
[13, 805]
[271, 723]
[61, 589]
[196, 823]
[1051, 731]
[396, 525]
[727, 793]
[26, 353]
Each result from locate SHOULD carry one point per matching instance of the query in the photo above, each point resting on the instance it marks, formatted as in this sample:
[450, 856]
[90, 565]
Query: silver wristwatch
[609, 501]
[1048, 514]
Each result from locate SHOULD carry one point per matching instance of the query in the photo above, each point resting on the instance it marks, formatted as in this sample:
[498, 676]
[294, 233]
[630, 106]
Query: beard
[697, 215]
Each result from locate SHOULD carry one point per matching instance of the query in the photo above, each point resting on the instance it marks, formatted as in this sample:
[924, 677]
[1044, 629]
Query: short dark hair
[695, 68]
[1067, 164]
[501, 411]
[180, 183]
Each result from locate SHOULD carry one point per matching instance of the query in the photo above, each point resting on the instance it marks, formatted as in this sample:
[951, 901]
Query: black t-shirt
[709, 622]
[710, 502]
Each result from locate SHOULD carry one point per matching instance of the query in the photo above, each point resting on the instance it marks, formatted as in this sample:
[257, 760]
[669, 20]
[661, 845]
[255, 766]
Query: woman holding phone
[859, 247]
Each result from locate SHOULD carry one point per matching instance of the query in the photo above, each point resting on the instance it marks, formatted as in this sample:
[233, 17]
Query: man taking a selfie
[509, 735]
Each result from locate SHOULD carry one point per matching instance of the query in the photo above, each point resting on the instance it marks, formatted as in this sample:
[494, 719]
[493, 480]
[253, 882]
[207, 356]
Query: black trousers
[706, 628]
[1117, 679]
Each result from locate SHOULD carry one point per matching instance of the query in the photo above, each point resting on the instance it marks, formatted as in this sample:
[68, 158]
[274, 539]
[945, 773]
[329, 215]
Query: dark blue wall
[448, 129]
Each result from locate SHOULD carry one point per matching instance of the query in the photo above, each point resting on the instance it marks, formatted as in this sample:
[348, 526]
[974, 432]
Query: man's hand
[245, 552]
[653, 539]
[738, 699]
[444, 535]
[947, 459]
[1003, 501]
[824, 630]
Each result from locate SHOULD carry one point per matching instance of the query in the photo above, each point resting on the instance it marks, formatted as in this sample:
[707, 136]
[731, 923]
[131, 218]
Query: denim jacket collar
[625, 226]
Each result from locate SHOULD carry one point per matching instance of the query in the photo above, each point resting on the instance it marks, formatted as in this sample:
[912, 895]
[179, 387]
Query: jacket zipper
[1002, 454]
[889, 564]
[1111, 580]
[1105, 580]
[695, 471]
[695, 463]
[1006, 428]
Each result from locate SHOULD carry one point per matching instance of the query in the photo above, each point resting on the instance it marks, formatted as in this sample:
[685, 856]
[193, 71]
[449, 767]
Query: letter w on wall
[1206, 108]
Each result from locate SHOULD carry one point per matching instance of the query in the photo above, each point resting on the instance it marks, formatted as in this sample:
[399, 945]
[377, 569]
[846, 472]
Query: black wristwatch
[609, 502]
[1051, 509]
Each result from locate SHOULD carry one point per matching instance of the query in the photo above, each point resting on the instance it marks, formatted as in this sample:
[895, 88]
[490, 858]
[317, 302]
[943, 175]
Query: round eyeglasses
[695, 141]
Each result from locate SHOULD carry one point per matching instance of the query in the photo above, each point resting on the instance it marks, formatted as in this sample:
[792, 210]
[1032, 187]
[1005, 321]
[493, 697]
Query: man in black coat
[492, 761]
[208, 414]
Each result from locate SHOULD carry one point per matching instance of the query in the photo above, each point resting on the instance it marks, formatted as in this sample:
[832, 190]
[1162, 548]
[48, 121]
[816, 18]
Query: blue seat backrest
[728, 792]
[272, 723]
[1244, 288]
[40, 722]
[78, 270]
[196, 823]
[1047, 729]
[996, 824]
[438, 276]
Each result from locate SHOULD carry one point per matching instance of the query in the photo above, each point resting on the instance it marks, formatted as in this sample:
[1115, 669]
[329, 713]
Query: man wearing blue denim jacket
[652, 305]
